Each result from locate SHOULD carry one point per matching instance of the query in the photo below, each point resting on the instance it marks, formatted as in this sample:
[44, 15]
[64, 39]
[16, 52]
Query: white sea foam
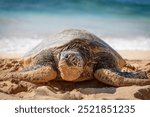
[18, 45]
[137, 43]
[22, 45]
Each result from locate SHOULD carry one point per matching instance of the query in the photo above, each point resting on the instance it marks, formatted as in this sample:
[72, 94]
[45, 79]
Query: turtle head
[70, 65]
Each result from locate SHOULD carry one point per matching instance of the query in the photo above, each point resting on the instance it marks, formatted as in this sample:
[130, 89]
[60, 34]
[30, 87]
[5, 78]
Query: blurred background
[124, 24]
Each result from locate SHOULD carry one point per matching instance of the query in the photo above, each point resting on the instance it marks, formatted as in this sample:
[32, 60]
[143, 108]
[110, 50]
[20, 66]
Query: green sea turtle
[75, 55]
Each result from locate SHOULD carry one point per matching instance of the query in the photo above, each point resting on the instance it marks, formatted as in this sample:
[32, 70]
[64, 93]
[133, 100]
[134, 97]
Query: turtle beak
[69, 73]
[62, 62]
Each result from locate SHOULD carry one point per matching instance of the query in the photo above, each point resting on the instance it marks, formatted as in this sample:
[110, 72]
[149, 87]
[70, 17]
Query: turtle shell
[66, 36]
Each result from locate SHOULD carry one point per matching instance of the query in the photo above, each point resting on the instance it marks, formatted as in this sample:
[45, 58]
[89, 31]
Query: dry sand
[83, 90]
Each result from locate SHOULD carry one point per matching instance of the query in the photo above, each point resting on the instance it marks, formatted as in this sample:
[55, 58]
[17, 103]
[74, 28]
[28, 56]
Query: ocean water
[123, 24]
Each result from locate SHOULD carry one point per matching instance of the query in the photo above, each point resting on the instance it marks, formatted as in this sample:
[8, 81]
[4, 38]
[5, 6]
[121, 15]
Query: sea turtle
[76, 55]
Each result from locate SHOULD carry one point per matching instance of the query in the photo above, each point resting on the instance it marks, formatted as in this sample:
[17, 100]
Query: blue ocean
[124, 24]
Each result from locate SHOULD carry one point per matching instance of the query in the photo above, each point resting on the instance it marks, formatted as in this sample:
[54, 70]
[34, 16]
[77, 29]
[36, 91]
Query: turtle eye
[73, 59]
[67, 56]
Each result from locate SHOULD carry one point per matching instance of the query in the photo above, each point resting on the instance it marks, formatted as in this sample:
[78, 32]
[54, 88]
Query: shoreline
[135, 54]
[126, 54]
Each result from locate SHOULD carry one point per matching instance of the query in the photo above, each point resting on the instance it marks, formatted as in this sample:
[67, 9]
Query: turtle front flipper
[35, 75]
[115, 77]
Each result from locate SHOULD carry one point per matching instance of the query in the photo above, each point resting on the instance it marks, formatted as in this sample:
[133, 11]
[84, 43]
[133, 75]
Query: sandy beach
[82, 90]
